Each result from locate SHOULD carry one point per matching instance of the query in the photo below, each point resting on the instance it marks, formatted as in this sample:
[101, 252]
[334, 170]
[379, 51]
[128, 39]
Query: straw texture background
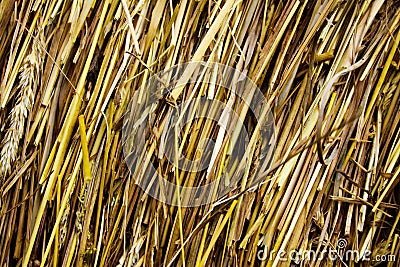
[329, 70]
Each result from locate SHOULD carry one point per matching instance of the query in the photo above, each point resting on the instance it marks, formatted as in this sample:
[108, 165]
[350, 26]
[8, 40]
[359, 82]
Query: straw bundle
[329, 71]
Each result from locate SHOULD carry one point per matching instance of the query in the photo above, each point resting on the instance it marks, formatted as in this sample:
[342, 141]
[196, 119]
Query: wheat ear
[28, 83]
